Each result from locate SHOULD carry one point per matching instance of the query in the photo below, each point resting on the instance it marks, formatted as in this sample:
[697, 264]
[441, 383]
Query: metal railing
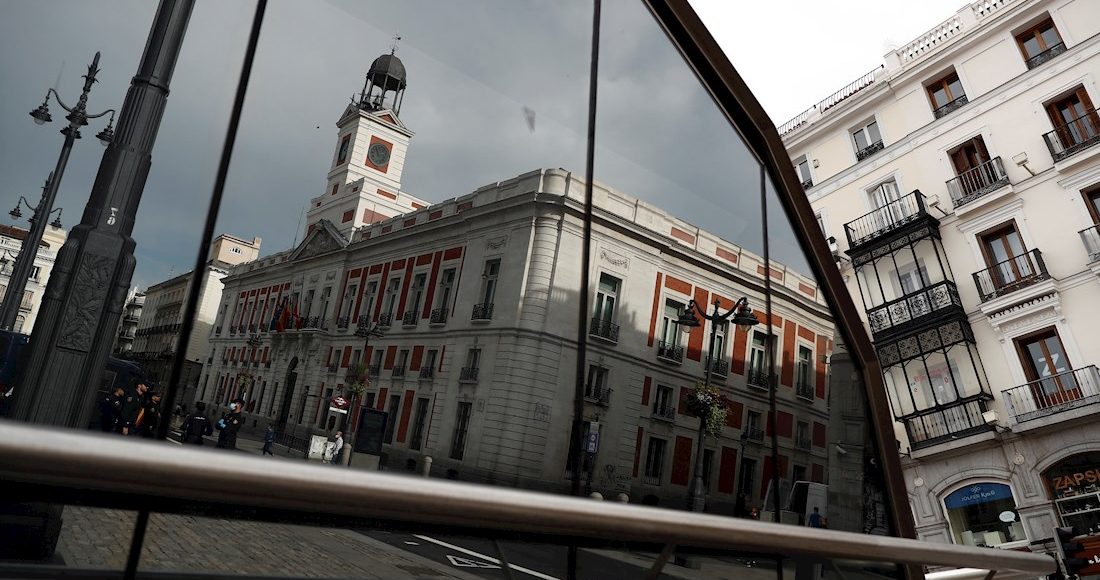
[427, 372]
[914, 307]
[44, 464]
[754, 434]
[807, 184]
[1090, 236]
[974, 183]
[804, 391]
[363, 322]
[483, 311]
[1011, 275]
[599, 394]
[374, 371]
[1046, 55]
[950, 107]
[410, 318]
[439, 316]
[398, 371]
[718, 367]
[802, 443]
[664, 412]
[314, 323]
[670, 352]
[945, 424]
[1055, 394]
[343, 322]
[885, 219]
[385, 319]
[829, 102]
[760, 379]
[333, 368]
[1074, 136]
[604, 329]
[468, 374]
[869, 150]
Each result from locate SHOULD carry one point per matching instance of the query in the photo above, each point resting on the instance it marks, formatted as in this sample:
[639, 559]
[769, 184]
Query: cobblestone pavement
[100, 538]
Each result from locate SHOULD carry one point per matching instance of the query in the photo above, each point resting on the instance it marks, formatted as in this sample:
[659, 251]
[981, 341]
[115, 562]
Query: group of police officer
[138, 412]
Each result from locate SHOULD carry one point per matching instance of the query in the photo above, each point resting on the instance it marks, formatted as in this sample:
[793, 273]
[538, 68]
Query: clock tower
[364, 181]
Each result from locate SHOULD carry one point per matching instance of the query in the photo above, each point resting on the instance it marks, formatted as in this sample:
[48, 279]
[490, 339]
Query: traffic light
[1068, 550]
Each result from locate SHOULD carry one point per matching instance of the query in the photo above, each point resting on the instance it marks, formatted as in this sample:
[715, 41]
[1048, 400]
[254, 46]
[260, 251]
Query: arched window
[984, 514]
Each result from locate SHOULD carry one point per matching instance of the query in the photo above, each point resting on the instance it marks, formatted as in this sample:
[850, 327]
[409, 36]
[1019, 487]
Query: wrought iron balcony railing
[1054, 394]
[974, 183]
[914, 308]
[362, 322]
[802, 443]
[885, 219]
[807, 184]
[374, 370]
[754, 434]
[670, 352]
[385, 319]
[604, 329]
[718, 367]
[664, 412]
[314, 323]
[468, 374]
[439, 316]
[599, 394]
[343, 323]
[1046, 55]
[1090, 236]
[483, 311]
[950, 107]
[868, 151]
[218, 331]
[398, 371]
[332, 368]
[759, 379]
[804, 390]
[410, 318]
[1011, 275]
[232, 330]
[1074, 136]
[945, 424]
[427, 372]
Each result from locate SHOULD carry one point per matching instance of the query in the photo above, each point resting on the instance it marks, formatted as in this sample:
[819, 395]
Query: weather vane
[393, 47]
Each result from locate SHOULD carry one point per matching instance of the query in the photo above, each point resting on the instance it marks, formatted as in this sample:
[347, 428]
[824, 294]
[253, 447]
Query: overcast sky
[473, 66]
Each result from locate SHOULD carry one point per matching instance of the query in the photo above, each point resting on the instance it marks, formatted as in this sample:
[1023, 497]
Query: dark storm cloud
[474, 68]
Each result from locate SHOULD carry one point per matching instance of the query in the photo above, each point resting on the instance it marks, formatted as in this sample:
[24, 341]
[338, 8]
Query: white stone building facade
[960, 184]
[11, 240]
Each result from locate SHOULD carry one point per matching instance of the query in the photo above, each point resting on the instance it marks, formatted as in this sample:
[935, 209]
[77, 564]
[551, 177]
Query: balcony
[924, 305]
[950, 107]
[867, 151]
[664, 412]
[599, 394]
[439, 316]
[232, 330]
[410, 319]
[385, 320]
[760, 380]
[1011, 275]
[1055, 394]
[398, 371]
[890, 218]
[333, 368]
[483, 311]
[977, 182]
[807, 184]
[1074, 136]
[267, 364]
[343, 322]
[427, 372]
[670, 352]
[754, 434]
[131, 318]
[468, 375]
[651, 479]
[718, 367]
[1090, 236]
[604, 329]
[946, 424]
[218, 331]
[374, 371]
[363, 322]
[804, 391]
[1046, 55]
[314, 323]
[802, 443]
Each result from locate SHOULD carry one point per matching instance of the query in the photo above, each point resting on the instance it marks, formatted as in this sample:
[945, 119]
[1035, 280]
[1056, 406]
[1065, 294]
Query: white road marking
[412, 543]
[468, 563]
[484, 557]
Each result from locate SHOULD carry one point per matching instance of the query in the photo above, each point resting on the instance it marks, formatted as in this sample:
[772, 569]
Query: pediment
[324, 238]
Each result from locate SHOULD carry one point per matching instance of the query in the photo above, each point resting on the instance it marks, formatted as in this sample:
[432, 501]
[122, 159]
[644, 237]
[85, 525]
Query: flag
[275, 319]
[297, 319]
[284, 315]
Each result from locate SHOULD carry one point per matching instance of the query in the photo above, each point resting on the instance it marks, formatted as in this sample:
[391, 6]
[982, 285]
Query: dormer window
[1040, 43]
[946, 94]
[867, 140]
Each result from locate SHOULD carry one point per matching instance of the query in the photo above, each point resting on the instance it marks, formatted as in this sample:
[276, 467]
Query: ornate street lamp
[365, 331]
[78, 117]
[744, 319]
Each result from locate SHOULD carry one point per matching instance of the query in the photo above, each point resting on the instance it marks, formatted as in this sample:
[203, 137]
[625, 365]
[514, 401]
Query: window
[326, 297]
[1010, 264]
[890, 206]
[946, 94]
[1075, 121]
[308, 306]
[752, 426]
[462, 425]
[402, 363]
[867, 140]
[420, 421]
[446, 284]
[912, 277]
[376, 362]
[603, 317]
[1092, 200]
[805, 370]
[748, 474]
[596, 388]
[392, 291]
[664, 404]
[427, 366]
[708, 468]
[417, 292]
[976, 174]
[35, 272]
[488, 290]
[236, 251]
[802, 168]
[473, 359]
[654, 460]
[391, 423]
[370, 294]
[1040, 43]
[758, 372]
[1047, 368]
[978, 512]
[801, 441]
[668, 346]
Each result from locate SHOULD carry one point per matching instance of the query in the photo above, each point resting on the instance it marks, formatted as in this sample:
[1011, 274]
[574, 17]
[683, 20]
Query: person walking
[133, 403]
[337, 448]
[151, 416]
[196, 426]
[815, 519]
[110, 409]
[229, 425]
[269, 438]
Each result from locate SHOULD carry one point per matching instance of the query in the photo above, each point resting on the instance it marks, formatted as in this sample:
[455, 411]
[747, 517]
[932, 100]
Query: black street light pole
[87, 288]
[78, 117]
[742, 317]
[365, 331]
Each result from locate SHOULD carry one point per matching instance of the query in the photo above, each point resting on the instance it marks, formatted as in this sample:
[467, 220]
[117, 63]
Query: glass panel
[1050, 35]
[873, 134]
[1032, 46]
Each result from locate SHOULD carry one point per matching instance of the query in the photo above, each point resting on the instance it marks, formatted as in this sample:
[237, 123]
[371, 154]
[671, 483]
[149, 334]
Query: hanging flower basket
[245, 381]
[710, 404]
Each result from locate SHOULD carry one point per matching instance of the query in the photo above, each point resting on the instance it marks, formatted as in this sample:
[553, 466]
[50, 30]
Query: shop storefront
[1073, 485]
[984, 514]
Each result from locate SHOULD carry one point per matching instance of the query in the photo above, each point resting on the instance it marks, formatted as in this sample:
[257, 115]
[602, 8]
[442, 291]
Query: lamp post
[365, 331]
[744, 318]
[78, 117]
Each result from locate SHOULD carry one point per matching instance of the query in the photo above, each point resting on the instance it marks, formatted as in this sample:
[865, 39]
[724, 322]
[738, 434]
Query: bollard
[622, 497]
[427, 466]
[596, 495]
[345, 454]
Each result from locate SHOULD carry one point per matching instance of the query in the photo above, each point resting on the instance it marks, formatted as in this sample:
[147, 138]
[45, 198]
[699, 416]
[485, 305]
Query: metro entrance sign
[340, 402]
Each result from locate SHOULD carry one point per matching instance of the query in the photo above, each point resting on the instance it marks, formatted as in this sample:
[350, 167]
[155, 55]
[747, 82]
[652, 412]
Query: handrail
[830, 101]
[103, 469]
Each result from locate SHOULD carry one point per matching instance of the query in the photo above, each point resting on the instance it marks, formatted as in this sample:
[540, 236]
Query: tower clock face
[378, 154]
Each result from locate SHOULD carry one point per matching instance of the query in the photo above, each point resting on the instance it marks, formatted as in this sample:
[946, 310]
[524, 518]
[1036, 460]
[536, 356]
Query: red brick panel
[348, 216]
[380, 404]
[805, 333]
[656, 310]
[817, 473]
[725, 254]
[681, 408]
[387, 194]
[681, 461]
[645, 390]
[819, 434]
[417, 354]
[807, 290]
[406, 411]
[409, 223]
[429, 296]
[740, 345]
[734, 414]
[435, 214]
[682, 235]
[391, 355]
[677, 285]
[785, 422]
[786, 373]
[637, 451]
[727, 470]
[453, 253]
[344, 360]
[695, 339]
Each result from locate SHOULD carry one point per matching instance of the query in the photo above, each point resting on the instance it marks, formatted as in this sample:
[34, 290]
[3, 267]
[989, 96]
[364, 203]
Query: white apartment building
[11, 240]
[475, 297]
[960, 184]
[128, 323]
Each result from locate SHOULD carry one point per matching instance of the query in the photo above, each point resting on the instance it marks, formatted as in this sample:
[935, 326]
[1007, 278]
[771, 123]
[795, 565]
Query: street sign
[340, 402]
[338, 410]
[593, 437]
